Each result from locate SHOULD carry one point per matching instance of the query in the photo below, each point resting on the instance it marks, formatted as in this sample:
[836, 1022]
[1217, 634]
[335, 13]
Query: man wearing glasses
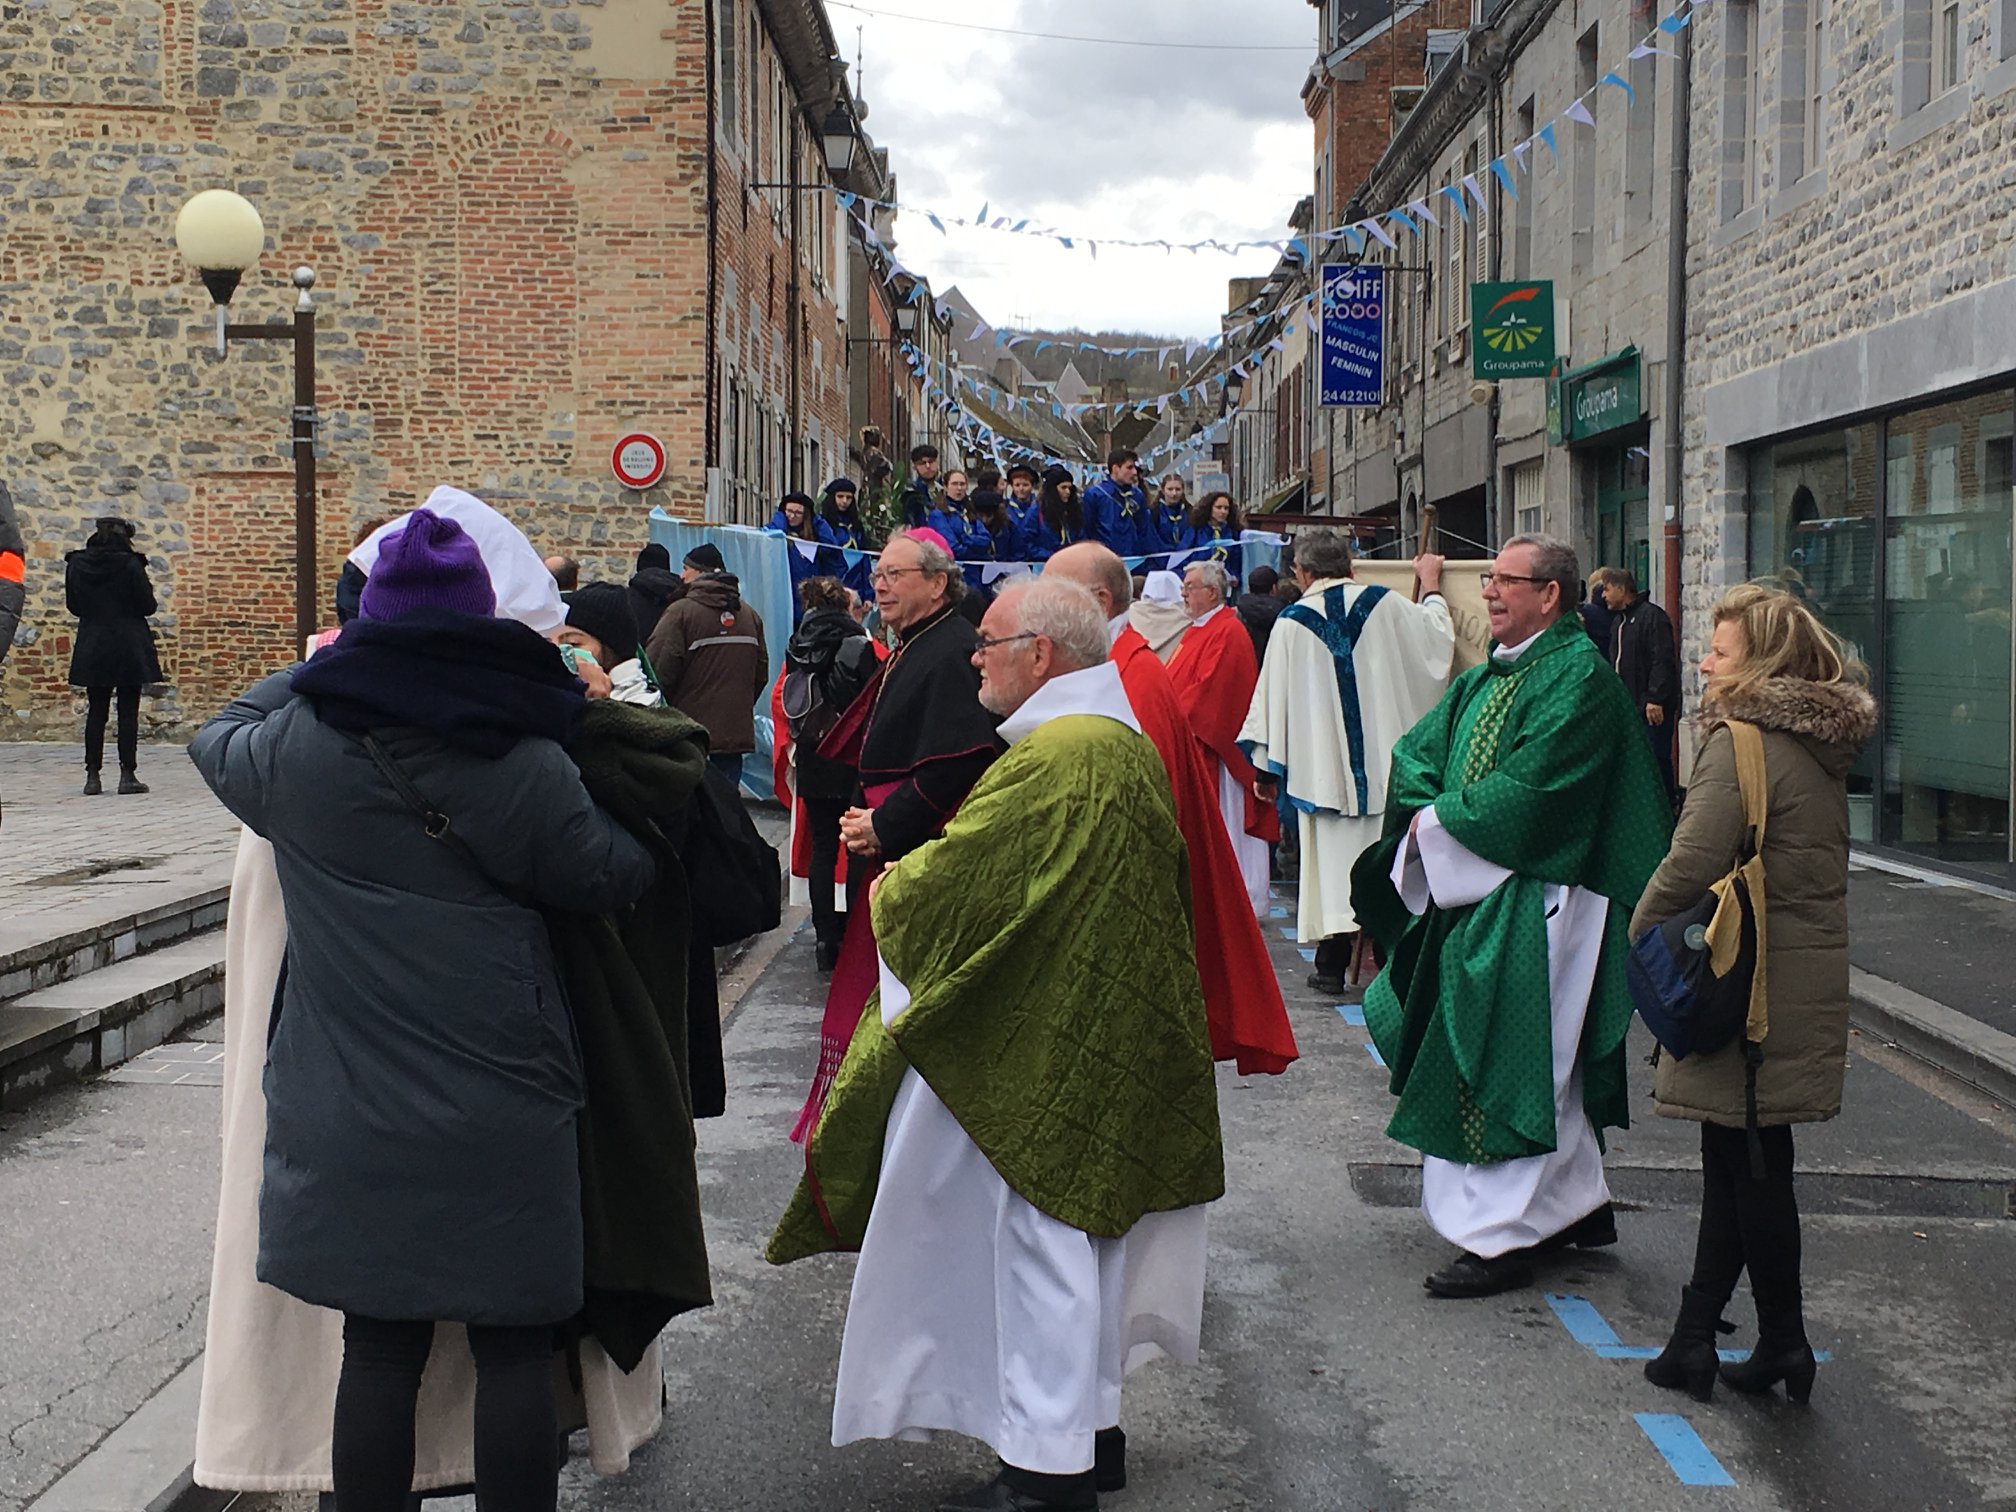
[1524, 817]
[1022, 1141]
[920, 739]
[1349, 669]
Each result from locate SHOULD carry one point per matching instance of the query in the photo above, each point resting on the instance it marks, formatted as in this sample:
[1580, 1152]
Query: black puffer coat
[106, 587]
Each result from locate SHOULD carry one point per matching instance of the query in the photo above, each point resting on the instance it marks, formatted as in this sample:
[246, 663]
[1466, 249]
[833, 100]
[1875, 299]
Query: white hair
[1214, 574]
[1065, 614]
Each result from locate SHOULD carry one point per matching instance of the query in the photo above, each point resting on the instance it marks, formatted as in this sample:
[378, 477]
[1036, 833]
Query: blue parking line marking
[1585, 1325]
[1277, 912]
[1373, 1051]
[1681, 1447]
[1308, 953]
[1354, 1014]
[1288, 933]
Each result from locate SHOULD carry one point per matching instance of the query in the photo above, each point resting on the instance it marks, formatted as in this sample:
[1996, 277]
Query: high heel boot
[1688, 1361]
[1782, 1354]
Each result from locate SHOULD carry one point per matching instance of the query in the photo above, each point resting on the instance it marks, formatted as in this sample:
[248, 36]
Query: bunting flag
[1577, 111]
[1455, 197]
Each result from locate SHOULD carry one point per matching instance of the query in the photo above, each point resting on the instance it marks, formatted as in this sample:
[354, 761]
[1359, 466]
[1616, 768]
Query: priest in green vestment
[1024, 1132]
[1524, 816]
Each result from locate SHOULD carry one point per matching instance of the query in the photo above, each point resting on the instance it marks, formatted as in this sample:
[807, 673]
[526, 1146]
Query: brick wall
[505, 206]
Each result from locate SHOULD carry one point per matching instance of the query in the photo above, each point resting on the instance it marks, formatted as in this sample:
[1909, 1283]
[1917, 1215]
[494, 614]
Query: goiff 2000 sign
[1514, 326]
[638, 460]
[1354, 337]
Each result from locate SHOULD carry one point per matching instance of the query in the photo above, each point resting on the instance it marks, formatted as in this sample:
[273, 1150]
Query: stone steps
[95, 1019]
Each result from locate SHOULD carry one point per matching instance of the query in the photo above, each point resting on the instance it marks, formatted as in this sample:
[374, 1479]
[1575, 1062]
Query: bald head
[1098, 570]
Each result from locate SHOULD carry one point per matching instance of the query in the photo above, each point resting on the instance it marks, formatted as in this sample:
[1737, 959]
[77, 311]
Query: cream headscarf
[525, 590]
[1159, 614]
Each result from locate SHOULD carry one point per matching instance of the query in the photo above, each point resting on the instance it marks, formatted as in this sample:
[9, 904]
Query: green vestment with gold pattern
[1541, 766]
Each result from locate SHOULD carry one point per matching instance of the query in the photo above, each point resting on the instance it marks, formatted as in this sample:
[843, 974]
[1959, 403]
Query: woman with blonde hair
[1773, 665]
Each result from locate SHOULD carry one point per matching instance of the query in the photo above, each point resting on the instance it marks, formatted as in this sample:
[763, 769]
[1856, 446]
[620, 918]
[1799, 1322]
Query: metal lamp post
[837, 141]
[221, 234]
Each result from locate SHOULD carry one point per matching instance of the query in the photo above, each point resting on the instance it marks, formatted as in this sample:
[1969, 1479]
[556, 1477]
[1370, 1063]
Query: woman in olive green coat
[1771, 664]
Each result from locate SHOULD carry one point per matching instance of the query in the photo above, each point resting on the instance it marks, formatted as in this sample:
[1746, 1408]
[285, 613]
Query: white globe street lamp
[222, 235]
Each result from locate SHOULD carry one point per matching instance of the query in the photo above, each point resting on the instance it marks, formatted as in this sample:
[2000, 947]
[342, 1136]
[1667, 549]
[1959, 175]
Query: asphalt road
[1332, 1381]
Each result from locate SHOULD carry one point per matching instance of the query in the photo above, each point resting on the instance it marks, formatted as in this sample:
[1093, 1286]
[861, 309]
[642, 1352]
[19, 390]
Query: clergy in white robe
[1020, 1142]
[1349, 670]
[1524, 822]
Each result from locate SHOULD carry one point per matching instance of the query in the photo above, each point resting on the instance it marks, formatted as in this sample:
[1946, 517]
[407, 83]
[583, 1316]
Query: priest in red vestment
[1242, 994]
[1215, 672]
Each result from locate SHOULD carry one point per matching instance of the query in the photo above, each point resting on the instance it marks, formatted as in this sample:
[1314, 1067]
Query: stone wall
[1884, 274]
[505, 208]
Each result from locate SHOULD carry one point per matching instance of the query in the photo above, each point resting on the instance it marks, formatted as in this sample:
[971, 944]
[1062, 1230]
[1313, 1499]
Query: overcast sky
[1096, 140]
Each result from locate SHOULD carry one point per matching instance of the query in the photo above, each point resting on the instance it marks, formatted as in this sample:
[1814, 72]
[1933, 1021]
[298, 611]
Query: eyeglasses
[1486, 579]
[890, 574]
[987, 643]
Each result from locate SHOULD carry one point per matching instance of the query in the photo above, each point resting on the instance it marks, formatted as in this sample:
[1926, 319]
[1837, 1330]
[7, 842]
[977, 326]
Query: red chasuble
[1242, 996]
[1214, 673]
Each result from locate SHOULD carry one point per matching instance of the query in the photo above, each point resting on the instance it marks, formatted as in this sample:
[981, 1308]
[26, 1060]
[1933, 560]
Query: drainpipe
[1493, 149]
[1676, 321]
[710, 371]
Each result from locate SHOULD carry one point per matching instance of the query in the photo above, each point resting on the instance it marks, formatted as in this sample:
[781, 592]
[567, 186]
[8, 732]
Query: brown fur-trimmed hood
[1839, 715]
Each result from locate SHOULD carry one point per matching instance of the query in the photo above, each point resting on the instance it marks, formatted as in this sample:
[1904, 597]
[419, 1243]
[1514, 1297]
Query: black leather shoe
[1598, 1230]
[1109, 1459]
[1333, 986]
[93, 784]
[1003, 1495]
[825, 957]
[1471, 1275]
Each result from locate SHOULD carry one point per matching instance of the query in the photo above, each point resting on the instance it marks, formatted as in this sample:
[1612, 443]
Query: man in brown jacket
[712, 665]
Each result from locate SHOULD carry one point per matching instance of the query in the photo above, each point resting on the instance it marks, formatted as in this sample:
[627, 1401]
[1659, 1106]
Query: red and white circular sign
[638, 460]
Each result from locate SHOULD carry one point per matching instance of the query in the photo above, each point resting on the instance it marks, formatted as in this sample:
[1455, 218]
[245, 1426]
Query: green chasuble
[1540, 765]
[1055, 1009]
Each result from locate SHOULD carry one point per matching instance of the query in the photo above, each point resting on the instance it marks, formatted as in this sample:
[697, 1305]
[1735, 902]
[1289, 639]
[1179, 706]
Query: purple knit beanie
[431, 564]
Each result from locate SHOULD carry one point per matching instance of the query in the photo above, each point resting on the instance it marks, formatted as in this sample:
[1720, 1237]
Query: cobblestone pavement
[66, 860]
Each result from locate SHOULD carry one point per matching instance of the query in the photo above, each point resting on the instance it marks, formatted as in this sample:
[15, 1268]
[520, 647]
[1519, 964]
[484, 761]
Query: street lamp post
[837, 141]
[222, 235]
[906, 324]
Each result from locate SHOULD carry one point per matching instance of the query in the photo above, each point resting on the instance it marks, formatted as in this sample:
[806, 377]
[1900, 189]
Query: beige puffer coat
[1812, 732]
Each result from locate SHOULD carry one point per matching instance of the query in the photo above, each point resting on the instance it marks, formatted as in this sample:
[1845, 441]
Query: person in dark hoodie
[1260, 606]
[838, 661]
[106, 587]
[712, 662]
[13, 572]
[654, 586]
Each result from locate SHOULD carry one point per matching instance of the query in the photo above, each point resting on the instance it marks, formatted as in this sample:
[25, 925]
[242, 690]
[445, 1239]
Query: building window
[727, 63]
[1640, 187]
[1582, 206]
[1741, 87]
[1452, 248]
[1812, 125]
[1529, 497]
[1522, 208]
[1947, 56]
[1466, 242]
[1896, 532]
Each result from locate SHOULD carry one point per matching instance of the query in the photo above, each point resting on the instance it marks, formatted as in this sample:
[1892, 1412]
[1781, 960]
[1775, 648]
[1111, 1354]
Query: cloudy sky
[1098, 140]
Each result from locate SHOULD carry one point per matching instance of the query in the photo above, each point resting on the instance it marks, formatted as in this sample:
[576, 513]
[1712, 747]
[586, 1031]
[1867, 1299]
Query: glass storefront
[1897, 530]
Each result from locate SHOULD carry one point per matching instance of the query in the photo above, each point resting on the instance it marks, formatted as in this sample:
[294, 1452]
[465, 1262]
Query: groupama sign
[1514, 326]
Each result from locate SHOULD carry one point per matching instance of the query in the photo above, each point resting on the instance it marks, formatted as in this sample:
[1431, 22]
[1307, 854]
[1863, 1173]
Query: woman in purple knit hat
[422, 1079]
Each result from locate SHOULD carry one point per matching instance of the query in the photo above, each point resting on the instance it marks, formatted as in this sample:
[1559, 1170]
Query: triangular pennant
[1469, 182]
[1420, 211]
[1379, 233]
[1497, 166]
[1577, 111]
[1455, 196]
[1630, 94]
[1647, 50]
[1545, 137]
[806, 549]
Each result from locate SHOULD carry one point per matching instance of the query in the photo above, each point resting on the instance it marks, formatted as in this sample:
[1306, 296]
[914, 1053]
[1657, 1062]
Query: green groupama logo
[1518, 328]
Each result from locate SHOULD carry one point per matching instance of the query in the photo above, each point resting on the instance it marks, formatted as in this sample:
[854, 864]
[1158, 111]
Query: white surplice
[975, 1313]
[1297, 730]
[1491, 1209]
